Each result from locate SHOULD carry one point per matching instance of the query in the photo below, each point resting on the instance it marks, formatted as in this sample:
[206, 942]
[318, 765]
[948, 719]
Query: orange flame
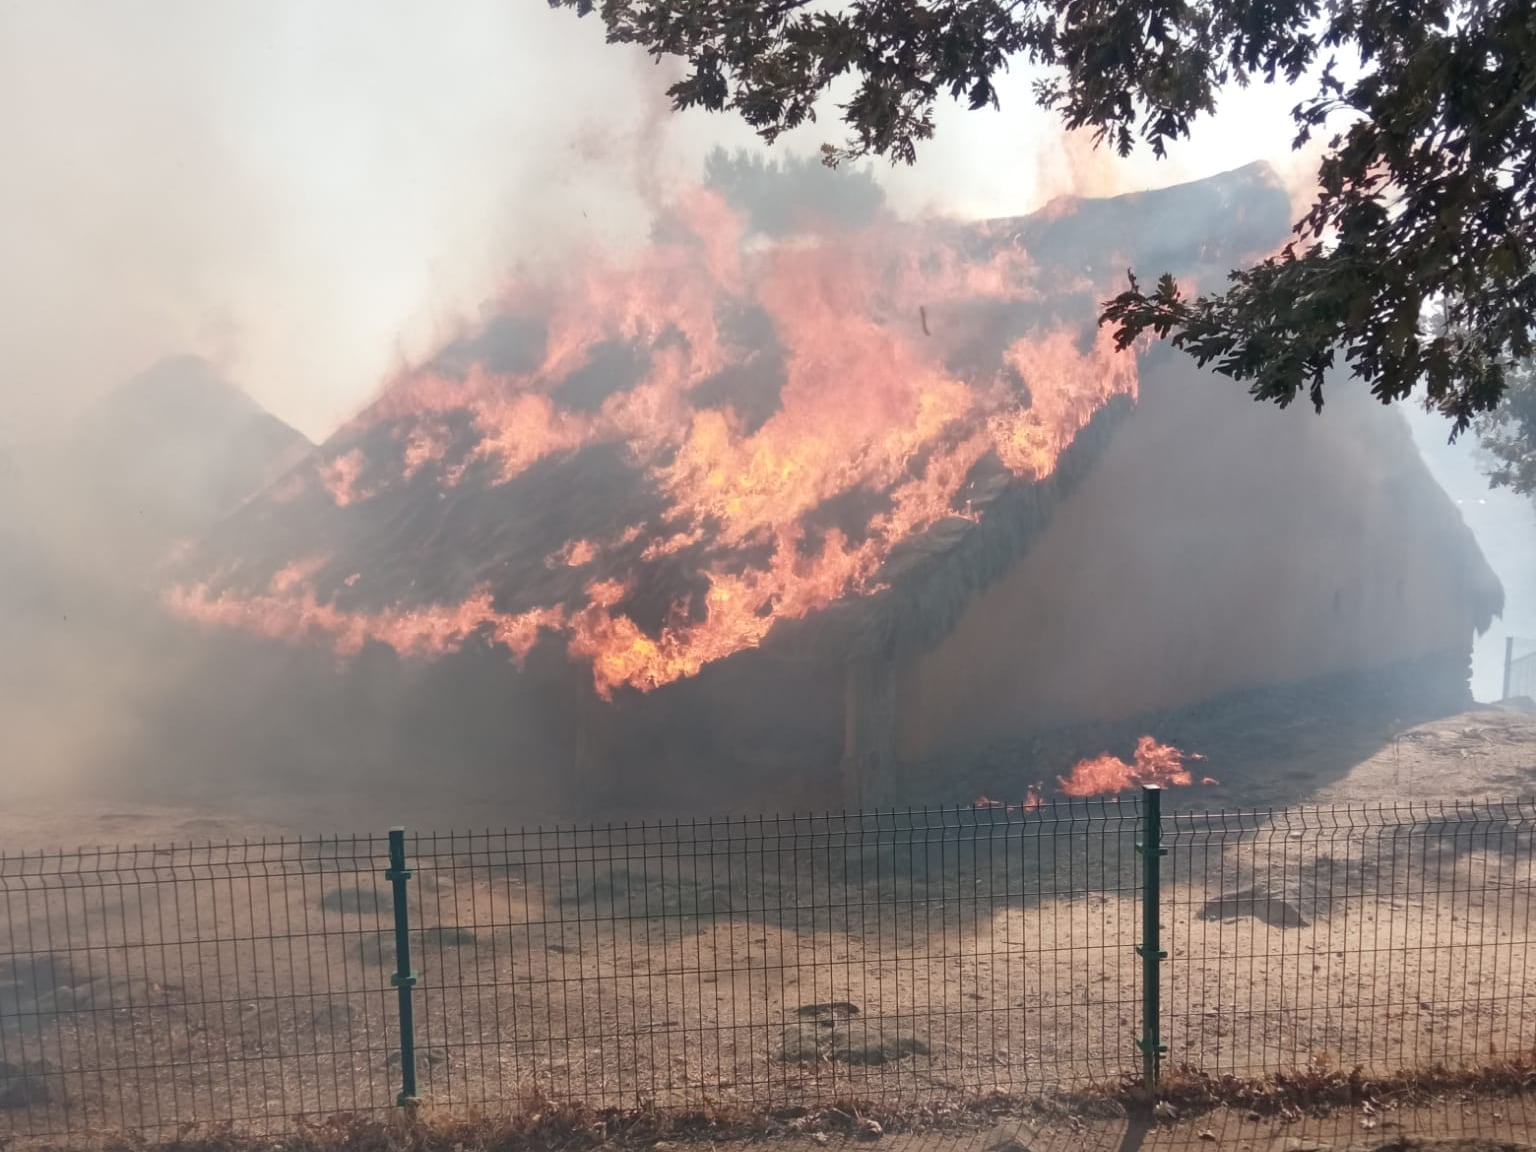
[294, 614]
[869, 402]
[340, 476]
[423, 444]
[572, 554]
[1031, 802]
[1153, 763]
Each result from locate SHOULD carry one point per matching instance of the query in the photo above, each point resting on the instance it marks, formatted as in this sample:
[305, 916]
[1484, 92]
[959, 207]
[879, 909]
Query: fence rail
[1519, 668]
[895, 957]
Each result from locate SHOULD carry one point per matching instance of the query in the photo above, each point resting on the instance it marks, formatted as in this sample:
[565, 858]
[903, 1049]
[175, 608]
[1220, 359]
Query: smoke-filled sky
[310, 194]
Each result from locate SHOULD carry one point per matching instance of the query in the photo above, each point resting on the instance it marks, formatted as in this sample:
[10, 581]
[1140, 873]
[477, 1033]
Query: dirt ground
[1488, 752]
[769, 963]
[1499, 1124]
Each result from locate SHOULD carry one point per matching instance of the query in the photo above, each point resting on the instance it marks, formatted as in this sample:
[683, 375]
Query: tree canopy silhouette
[1509, 434]
[783, 194]
[1426, 198]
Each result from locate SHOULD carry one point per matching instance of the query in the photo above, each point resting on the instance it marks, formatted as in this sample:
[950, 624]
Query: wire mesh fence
[890, 957]
[147, 988]
[1389, 938]
[1519, 668]
[778, 960]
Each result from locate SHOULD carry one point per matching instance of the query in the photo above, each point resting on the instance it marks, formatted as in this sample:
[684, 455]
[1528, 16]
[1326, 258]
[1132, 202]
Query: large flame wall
[628, 478]
[760, 476]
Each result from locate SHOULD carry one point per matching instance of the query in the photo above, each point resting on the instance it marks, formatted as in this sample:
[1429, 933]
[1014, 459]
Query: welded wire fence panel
[1520, 670]
[776, 960]
[890, 957]
[1392, 938]
[150, 988]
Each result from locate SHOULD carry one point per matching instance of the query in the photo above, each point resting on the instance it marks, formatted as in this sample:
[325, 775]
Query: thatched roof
[398, 539]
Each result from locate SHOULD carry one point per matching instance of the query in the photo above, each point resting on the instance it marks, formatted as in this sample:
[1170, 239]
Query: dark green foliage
[1426, 200]
[1509, 435]
[781, 195]
[1427, 194]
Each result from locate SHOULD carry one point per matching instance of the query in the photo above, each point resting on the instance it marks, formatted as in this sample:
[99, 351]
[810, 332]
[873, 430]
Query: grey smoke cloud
[303, 193]
[308, 194]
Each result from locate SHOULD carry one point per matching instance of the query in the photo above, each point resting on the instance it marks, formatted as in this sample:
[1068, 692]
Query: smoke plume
[306, 199]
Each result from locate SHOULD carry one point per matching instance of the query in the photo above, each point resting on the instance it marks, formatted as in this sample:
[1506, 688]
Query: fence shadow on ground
[913, 958]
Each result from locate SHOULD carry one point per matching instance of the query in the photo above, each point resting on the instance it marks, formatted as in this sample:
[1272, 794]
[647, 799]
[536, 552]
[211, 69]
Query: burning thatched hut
[725, 526]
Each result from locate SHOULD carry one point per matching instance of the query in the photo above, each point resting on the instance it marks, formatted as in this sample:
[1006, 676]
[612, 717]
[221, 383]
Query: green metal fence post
[403, 978]
[1150, 949]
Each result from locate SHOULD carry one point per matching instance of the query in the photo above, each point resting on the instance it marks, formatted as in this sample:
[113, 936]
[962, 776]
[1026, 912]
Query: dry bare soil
[767, 963]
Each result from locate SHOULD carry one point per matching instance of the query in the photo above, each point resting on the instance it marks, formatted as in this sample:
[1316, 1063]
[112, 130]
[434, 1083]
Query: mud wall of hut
[1218, 544]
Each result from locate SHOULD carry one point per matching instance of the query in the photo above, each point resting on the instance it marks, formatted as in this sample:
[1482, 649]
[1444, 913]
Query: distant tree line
[787, 193]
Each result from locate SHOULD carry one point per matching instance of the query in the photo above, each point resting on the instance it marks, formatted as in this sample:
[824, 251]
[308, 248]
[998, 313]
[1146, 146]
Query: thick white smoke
[308, 193]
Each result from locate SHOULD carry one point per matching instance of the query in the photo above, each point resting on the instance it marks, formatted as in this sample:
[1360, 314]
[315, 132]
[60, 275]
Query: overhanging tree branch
[1425, 195]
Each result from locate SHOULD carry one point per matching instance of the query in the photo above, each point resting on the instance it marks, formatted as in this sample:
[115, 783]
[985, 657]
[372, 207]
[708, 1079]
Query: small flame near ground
[1105, 775]
[1032, 800]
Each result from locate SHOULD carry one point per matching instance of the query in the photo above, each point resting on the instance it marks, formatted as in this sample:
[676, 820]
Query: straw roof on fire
[819, 448]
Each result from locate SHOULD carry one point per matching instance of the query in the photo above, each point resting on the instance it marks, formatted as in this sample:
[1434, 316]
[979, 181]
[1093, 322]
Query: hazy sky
[1505, 527]
[310, 193]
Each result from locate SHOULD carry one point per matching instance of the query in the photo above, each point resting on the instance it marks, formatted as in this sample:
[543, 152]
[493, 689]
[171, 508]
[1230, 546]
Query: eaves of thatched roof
[407, 542]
